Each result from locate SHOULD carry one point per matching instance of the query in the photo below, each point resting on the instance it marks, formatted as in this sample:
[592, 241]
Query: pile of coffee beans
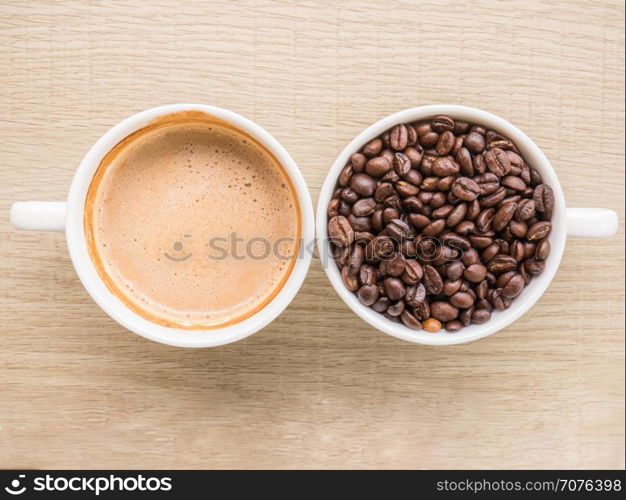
[435, 224]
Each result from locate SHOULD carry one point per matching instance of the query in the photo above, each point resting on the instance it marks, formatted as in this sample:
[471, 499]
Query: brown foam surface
[180, 217]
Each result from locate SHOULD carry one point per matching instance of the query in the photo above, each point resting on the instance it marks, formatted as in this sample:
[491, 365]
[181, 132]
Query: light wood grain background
[318, 387]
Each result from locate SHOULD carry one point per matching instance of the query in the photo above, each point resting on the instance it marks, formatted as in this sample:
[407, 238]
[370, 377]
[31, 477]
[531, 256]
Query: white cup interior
[116, 308]
[499, 319]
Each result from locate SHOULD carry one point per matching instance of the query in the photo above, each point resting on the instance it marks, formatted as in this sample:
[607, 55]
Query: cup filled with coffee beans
[443, 224]
[188, 224]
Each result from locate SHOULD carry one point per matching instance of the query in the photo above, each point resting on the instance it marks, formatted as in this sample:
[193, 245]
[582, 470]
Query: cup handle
[591, 222]
[38, 215]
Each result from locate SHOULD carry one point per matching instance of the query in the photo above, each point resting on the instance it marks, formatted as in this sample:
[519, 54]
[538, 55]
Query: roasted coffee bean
[373, 147]
[543, 250]
[414, 155]
[381, 305]
[364, 207]
[544, 200]
[525, 210]
[470, 257]
[445, 166]
[407, 247]
[345, 175]
[389, 214]
[480, 316]
[445, 143]
[517, 251]
[340, 231]
[415, 294]
[413, 272]
[393, 265]
[377, 220]
[434, 227]
[428, 140]
[378, 166]
[462, 300]
[493, 199]
[480, 240]
[513, 286]
[394, 288]
[443, 311]
[464, 159]
[401, 164]
[465, 316]
[360, 223]
[455, 270]
[390, 176]
[464, 227]
[455, 241]
[513, 182]
[367, 275]
[412, 204]
[357, 256]
[410, 321]
[333, 207]
[443, 211]
[348, 195]
[490, 252]
[466, 189]
[399, 137]
[529, 249]
[475, 273]
[428, 184]
[453, 326]
[432, 280]
[442, 124]
[418, 221]
[396, 309]
[534, 267]
[380, 248]
[501, 263]
[438, 200]
[358, 161]
[538, 231]
[341, 256]
[398, 229]
[363, 184]
[474, 142]
[363, 237]
[503, 216]
[368, 294]
[414, 177]
[383, 191]
[504, 278]
[456, 215]
[518, 229]
[484, 220]
[351, 281]
[406, 189]
[498, 162]
[497, 300]
[450, 287]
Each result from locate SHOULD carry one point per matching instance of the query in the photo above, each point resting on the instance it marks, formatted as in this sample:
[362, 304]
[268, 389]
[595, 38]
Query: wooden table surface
[318, 387]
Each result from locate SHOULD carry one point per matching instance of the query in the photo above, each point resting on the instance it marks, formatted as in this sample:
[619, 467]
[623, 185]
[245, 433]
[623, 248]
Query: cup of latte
[188, 224]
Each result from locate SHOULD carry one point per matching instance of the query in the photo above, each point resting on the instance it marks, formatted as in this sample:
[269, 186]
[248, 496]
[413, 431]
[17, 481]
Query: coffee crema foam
[161, 213]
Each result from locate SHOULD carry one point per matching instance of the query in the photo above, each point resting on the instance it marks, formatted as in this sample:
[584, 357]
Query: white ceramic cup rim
[115, 308]
[499, 319]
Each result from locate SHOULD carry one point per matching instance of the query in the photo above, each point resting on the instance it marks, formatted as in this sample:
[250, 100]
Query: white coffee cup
[578, 222]
[68, 216]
